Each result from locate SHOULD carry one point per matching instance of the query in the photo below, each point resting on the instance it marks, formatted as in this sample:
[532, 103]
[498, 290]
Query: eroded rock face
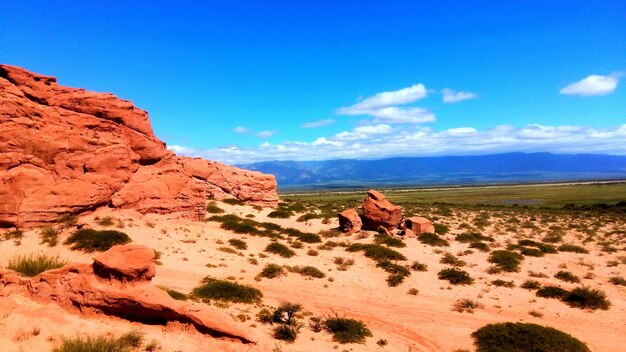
[418, 225]
[87, 289]
[378, 211]
[68, 150]
[350, 221]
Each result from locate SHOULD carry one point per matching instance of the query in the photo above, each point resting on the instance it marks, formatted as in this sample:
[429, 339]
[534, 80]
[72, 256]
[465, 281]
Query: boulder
[68, 150]
[80, 288]
[408, 233]
[418, 225]
[378, 211]
[129, 262]
[350, 221]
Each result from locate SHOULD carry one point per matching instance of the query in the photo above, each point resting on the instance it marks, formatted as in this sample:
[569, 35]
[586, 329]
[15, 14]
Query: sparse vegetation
[280, 249]
[49, 235]
[376, 252]
[455, 276]
[389, 241]
[179, 296]
[432, 239]
[237, 243]
[345, 330]
[506, 260]
[552, 292]
[466, 305]
[524, 337]
[90, 240]
[617, 280]
[271, 271]
[572, 248]
[223, 290]
[101, 343]
[587, 298]
[213, 208]
[566, 276]
[232, 201]
[30, 265]
[417, 266]
[308, 271]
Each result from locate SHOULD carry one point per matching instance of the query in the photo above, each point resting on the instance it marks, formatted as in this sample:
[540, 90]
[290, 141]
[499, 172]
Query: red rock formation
[94, 289]
[67, 150]
[378, 211]
[349, 221]
[418, 225]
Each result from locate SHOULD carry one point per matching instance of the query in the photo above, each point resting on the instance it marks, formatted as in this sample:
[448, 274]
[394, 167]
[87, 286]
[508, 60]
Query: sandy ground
[422, 322]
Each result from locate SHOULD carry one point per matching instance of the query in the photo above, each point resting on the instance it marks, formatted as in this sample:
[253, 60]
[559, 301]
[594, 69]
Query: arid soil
[425, 321]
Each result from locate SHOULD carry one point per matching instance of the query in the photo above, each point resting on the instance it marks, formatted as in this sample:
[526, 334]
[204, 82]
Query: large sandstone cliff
[67, 150]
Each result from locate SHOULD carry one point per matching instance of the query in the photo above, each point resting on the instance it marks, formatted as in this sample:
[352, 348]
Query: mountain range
[443, 170]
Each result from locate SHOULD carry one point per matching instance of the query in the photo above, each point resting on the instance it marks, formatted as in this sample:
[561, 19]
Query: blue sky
[249, 81]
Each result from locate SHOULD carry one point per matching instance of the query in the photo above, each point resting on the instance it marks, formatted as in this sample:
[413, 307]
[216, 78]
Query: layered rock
[350, 221]
[418, 225]
[96, 289]
[68, 150]
[378, 211]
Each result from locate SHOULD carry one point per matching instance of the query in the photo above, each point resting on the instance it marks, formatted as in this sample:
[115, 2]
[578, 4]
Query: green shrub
[232, 201]
[455, 276]
[531, 252]
[271, 271]
[587, 298]
[552, 292]
[223, 290]
[101, 343]
[212, 208]
[441, 229]
[617, 280]
[302, 236]
[346, 330]
[90, 240]
[543, 247]
[285, 313]
[105, 221]
[307, 217]
[506, 260]
[280, 214]
[15, 235]
[376, 252]
[287, 333]
[309, 271]
[481, 246]
[531, 285]
[450, 259]
[397, 273]
[566, 276]
[49, 235]
[572, 248]
[432, 239]
[34, 264]
[179, 296]
[524, 337]
[389, 241]
[473, 237]
[502, 283]
[280, 249]
[417, 266]
[237, 243]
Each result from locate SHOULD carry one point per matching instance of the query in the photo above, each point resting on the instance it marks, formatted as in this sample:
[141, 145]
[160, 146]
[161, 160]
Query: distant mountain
[497, 168]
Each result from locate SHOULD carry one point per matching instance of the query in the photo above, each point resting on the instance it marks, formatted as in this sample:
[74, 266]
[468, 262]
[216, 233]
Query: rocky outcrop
[68, 150]
[350, 221]
[418, 225]
[96, 289]
[378, 211]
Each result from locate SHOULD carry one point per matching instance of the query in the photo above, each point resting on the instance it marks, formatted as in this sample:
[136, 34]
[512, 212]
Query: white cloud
[264, 134]
[392, 114]
[179, 149]
[318, 123]
[382, 106]
[451, 96]
[592, 85]
[241, 129]
[396, 97]
[378, 129]
[419, 141]
[461, 131]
